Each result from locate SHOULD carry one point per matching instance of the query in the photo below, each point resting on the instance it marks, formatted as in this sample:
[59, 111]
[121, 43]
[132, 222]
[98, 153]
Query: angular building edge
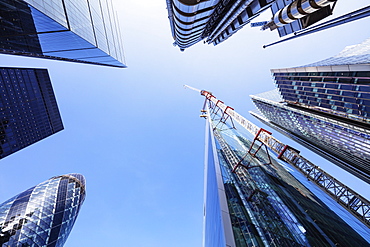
[216, 232]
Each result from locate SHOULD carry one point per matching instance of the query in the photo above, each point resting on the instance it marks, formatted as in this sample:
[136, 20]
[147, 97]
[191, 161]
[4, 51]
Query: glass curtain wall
[266, 205]
[42, 215]
[77, 31]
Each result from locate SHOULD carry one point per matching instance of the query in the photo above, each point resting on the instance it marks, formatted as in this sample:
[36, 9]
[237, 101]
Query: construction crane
[345, 196]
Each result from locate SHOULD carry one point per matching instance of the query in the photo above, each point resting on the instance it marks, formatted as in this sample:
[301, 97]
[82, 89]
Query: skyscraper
[215, 21]
[325, 106]
[77, 31]
[192, 21]
[253, 200]
[28, 108]
[42, 215]
[291, 16]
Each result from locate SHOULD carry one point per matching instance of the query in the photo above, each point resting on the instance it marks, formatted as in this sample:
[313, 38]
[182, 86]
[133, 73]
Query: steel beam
[345, 196]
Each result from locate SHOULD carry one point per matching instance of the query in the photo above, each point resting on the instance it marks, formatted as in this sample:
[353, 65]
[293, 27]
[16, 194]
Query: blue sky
[136, 135]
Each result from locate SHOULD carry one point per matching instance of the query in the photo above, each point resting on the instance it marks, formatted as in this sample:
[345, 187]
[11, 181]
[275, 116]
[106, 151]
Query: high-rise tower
[77, 31]
[215, 21]
[42, 215]
[28, 108]
[325, 106]
[253, 200]
[192, 21]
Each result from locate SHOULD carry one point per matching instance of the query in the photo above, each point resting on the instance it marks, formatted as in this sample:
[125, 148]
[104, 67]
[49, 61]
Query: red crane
[345, 196]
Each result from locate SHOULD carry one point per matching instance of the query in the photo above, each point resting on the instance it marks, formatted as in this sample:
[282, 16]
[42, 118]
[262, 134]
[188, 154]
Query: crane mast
[345, 196]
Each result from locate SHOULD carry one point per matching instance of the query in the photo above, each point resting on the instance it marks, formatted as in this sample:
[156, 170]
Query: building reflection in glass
[42, 215]
[28, 108]
[263, 203]
[77, 31]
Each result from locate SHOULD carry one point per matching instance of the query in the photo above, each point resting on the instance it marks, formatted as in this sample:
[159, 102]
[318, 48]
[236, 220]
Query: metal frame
[345, 196]
[352, 16]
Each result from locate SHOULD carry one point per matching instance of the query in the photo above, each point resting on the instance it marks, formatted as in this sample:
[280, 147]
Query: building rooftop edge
[330, 68]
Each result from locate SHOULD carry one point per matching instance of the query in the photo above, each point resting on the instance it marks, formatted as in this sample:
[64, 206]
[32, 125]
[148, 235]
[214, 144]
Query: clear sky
[135, 133]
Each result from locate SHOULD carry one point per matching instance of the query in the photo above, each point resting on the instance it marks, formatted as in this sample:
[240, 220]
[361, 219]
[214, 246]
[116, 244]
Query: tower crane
[345, 196]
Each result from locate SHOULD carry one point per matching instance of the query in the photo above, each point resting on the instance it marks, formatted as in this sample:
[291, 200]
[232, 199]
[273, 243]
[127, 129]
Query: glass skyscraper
[44, 214]
[214, 21]
[253, 200]
[28, 108]
[192, 21]
[77, 31]
[326, 107]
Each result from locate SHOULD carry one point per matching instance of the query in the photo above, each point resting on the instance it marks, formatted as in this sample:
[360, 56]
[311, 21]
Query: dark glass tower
[42, 215]
[326, 107]
[253, 200]
[77, 31]
[28, 108]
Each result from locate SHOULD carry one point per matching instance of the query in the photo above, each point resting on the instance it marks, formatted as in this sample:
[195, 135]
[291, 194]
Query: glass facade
[235, 17]
[265, 203]
[28, 108]
[78, 31]
[326, 107]
[214, 20]
[188, 20]
[346, 94]
[214, 230]
[345, 144]
[339, 85]
[42, 215]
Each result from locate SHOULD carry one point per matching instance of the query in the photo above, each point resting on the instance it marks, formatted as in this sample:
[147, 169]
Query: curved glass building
[42, 215]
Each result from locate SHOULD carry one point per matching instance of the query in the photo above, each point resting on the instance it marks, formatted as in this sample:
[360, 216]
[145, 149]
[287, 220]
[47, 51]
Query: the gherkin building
[44, 214]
